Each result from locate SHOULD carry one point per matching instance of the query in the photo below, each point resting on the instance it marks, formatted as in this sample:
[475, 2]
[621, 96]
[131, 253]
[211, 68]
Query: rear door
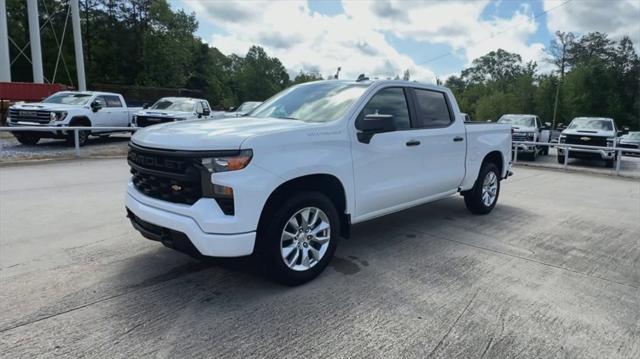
[387, 170]
[442, 138]
[118, 113]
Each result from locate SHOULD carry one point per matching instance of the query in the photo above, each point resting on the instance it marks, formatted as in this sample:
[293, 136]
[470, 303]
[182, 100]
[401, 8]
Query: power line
[494, 35]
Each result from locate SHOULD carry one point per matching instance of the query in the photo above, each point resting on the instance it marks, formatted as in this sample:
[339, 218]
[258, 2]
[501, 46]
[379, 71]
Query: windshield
[68, 98]
[322, 101]
[591, 124]
[247, 106]
[174, 104]
[525, 121]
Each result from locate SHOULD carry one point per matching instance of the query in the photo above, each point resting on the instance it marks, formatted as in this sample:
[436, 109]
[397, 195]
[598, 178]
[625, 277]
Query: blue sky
[382, 38]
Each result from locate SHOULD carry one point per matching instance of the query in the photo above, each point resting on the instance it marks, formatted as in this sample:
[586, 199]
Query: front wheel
[27, 139]
[301, 238]
[83, 137]
[561, 159]
[484, 195]
[609, 163]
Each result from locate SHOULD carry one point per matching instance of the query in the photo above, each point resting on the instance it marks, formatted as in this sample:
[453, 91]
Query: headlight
[530, 135]
[57, 116]
[562, 138]
[610, 142]
[228, 163]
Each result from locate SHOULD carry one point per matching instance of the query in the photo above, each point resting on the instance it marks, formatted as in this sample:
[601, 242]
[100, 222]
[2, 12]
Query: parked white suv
[172, 109]
[290, 179]
[71, 108]
[528, 128]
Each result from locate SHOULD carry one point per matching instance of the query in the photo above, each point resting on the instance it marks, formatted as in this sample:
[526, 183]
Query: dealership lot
[553, 271]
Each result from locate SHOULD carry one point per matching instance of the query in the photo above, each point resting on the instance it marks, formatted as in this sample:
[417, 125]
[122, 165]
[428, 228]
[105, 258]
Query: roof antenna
[362, 77]
[337, 73]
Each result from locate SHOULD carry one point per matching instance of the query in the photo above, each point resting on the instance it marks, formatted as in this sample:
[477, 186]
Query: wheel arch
[80, 121]
[327, 184]
[497, 159]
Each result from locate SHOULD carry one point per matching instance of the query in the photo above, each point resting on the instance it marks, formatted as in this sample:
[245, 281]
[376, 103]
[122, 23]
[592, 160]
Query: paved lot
[554, 271]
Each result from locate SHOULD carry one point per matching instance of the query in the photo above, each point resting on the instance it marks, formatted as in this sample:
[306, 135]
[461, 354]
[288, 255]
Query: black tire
[269, 238]
[609, 163]
[83, 137]
[473, 198]
[534, 155]
[561, 159]
[27, 139]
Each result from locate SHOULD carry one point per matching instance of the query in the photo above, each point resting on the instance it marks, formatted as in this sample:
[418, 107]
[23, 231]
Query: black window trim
[452, 118]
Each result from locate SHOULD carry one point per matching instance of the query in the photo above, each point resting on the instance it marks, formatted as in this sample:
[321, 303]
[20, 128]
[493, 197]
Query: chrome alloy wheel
[305, 238]
[489, 188]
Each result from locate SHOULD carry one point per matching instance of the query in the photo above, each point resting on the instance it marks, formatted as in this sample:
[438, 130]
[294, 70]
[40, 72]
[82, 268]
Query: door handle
[413, 143]
[458, 139]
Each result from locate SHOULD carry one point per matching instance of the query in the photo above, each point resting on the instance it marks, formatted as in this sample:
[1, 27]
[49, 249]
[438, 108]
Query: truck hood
[165, 113]
[599, 133]
[206, 135]
[44, 106]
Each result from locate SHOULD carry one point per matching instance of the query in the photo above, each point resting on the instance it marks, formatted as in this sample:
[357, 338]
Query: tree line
[146, 43]
[143, 43]
[593, 76]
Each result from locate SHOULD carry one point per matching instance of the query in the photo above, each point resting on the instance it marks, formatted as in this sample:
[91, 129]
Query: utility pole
[5, 64]
[34, 36]
[77, 44]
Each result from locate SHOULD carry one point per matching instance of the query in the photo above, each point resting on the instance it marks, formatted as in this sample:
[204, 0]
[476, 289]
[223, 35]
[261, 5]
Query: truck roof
[92, 93]
[388, 82]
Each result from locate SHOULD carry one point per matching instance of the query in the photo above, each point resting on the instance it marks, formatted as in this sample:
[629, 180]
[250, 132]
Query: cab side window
[432, 109]
[113, 101]
[389, 101]
[101, 101]
[199, 109]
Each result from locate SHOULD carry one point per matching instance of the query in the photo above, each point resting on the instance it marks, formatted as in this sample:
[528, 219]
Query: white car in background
[528, 128]
[242, 110]
[172, 109]
[71, 108]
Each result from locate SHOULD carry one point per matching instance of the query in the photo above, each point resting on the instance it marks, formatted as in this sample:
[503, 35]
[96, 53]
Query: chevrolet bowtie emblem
[176, 188]
[585, 138]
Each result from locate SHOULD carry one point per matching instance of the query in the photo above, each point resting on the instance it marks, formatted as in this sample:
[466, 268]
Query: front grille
[144, 121]
[30, 115]
[628, 145]
[586, 140]
[520, 137]
[166, 175]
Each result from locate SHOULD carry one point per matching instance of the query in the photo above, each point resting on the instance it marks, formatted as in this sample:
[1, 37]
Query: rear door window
[432, 109]
[113, 101]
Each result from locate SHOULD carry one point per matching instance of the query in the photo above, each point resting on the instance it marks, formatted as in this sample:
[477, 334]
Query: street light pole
[77, 44]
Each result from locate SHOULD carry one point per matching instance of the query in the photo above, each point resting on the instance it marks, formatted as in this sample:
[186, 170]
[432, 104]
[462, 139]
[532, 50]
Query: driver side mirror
[95, 106]
[145, 106]
[372, 124]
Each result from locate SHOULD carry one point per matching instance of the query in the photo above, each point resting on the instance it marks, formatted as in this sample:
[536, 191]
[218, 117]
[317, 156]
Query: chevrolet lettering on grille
[28, 113]
[585, 138]
[151, 161]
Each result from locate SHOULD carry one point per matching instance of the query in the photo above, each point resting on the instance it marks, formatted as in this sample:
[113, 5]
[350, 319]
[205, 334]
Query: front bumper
[588, 153]
[43, 133]
[174, 229]
[521, 147]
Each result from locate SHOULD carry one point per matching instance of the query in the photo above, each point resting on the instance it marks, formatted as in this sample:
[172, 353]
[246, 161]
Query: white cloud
[614, 17]
[355, 40]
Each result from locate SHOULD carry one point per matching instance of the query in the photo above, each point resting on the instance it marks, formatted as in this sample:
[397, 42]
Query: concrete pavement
[554, 271]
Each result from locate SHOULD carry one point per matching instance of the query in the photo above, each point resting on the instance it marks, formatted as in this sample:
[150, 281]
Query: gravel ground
[12, 151]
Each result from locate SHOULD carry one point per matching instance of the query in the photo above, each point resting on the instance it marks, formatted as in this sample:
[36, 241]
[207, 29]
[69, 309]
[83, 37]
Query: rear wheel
[83, 137]
[27, 139]
[300, 239]
[561, 159]
[484, 195]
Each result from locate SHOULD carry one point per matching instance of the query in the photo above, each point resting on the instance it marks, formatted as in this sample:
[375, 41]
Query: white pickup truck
[528, 128]
[70, 108]
[172, 109]
[289, 180]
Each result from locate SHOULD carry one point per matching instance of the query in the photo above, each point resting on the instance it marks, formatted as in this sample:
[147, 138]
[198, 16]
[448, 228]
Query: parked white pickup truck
[172, 109]
[70, 108]
[242, 110]
[289, 180]
[528, 128]
[591, 131]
